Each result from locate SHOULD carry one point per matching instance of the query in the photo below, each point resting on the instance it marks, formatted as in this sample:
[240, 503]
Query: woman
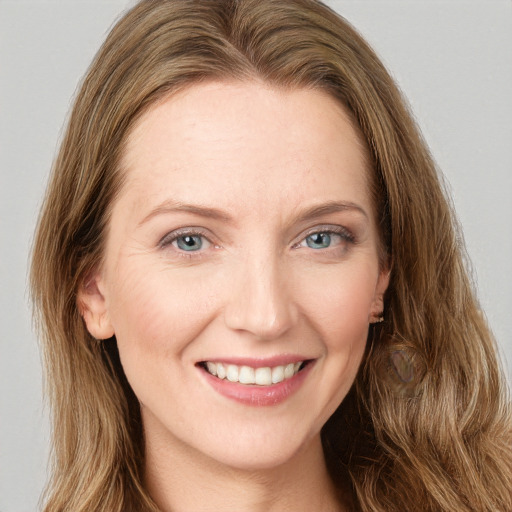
[249, 281]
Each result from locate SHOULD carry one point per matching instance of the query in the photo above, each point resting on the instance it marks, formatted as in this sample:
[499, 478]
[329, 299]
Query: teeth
[263, 376]
[212, 368]
[277, 374]
[289, 370]
[232, 373]
[246, 375]
[221, 371]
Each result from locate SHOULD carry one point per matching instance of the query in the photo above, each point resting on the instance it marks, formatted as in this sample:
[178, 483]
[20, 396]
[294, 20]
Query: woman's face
[244, 244]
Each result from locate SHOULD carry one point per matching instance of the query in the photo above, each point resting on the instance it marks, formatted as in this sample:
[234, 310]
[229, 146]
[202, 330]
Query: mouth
[251, 376]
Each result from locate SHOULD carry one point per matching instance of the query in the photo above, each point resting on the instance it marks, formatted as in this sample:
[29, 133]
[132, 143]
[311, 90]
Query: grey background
[453, 60]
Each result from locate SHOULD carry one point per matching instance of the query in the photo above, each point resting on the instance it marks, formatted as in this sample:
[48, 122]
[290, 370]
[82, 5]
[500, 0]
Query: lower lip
[258, 395]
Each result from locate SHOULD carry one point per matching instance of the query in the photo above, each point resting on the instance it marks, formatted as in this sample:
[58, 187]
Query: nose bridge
[260, 302]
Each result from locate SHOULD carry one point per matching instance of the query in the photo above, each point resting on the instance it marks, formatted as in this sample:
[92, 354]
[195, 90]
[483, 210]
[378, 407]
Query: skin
[263, 159]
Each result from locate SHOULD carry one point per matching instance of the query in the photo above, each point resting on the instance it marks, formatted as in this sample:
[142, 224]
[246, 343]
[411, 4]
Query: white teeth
[232, 373]
[277, 374]
[212, 368]
[245, 375]
[264, 376]
[289, 370]
[221, 371]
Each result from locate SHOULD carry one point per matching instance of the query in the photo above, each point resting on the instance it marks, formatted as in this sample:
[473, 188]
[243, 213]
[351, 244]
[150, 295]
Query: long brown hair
[427, 423]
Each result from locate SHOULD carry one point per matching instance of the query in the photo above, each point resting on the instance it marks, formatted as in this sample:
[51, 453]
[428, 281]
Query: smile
[263, 383]
[263, 376]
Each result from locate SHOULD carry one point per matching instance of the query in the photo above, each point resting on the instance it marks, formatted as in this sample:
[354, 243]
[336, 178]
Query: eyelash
[171, 237]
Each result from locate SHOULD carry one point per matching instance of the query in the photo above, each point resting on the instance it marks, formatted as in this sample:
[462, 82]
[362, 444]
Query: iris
[318, 240]
[189, 243]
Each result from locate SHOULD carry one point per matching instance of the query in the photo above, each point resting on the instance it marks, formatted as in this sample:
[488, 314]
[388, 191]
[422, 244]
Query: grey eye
[318, 240]
[189, 243]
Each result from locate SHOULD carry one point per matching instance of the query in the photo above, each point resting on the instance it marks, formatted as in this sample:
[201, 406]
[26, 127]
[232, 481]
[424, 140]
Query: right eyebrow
[172, 206]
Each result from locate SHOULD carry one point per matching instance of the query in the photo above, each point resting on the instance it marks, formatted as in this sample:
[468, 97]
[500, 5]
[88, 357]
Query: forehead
[246, 139]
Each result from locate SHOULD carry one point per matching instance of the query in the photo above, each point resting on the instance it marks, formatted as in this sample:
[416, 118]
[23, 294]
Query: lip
[258, 395]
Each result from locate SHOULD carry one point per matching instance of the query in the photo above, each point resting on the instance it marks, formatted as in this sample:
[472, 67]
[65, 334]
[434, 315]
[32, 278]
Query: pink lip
[258, 395]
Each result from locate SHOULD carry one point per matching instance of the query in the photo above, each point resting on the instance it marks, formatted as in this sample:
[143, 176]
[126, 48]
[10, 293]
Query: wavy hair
[427, 424]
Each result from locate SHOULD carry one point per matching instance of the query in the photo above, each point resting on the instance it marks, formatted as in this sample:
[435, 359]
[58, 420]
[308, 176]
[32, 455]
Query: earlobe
[377, 309]
[93, 308]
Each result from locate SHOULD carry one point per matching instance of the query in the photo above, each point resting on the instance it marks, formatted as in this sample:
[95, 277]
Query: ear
[377, 308]
[93, 307]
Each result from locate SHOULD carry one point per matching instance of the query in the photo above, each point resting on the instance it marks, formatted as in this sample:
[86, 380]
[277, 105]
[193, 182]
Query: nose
[260, 302]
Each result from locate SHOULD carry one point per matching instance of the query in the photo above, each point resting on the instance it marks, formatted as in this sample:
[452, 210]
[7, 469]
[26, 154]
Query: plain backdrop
[452, 59]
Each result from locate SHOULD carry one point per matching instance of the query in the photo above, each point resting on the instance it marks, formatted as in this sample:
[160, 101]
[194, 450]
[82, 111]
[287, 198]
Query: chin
[262, 456]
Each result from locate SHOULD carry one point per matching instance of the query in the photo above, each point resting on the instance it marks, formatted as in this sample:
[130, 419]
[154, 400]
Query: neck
[180, 480]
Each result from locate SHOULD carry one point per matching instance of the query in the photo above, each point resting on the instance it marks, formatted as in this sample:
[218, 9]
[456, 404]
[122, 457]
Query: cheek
[157, 314]
[338, 305]
[339, 301]
[153, 310]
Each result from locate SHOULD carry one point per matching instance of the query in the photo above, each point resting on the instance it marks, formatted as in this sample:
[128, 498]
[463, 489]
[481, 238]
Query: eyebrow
[328, 208]
[171, 206]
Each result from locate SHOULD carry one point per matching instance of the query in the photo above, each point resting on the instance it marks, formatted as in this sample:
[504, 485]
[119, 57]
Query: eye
[189, 243]
[185, 241]
[329, 238]
[319, 240]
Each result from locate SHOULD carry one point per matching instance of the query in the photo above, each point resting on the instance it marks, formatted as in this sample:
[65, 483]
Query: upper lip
[259, 362]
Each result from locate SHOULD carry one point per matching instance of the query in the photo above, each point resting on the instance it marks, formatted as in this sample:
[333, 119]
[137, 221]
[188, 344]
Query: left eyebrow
[330, 207]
